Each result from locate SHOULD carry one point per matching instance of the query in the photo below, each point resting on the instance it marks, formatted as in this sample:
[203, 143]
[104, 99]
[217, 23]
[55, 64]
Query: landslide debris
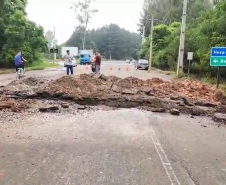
[152, 94]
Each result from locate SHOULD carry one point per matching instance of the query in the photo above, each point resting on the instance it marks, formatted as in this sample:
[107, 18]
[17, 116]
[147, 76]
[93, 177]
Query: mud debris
[177, 96]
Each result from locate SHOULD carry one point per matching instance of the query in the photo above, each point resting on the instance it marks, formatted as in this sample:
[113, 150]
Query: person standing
[93, 63]
[68, 58]
[19, 61]
[97, 62]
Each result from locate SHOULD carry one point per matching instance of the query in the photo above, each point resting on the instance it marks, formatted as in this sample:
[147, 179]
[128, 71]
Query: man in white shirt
[68, 58]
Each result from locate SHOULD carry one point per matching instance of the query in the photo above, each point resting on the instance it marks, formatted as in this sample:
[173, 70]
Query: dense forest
[112, 41]
[205, 28]
[17, 32]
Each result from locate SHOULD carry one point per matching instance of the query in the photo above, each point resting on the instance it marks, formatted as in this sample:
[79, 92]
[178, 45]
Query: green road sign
[217, 61]
[218, 56]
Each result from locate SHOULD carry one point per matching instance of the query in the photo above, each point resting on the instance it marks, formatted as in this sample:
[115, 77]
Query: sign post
[190, 57]
[218, 59]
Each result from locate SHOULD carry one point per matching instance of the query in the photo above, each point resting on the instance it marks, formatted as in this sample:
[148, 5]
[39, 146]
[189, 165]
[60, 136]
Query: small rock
[53, 108]
[65, 105]
[5, 106]
[219, 117]
[158, 110]
[181, 104]
[15, 109]
[175, 98]
[187, 102]
[81, 107]
[42, 109]
[129, 91]
[195, 112]
[205, 104]
[175, 112]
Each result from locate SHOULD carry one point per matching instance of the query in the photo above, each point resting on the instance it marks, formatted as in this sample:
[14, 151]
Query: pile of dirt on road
[114, 91]
[13, 105]
[27, 85]
[93, 86]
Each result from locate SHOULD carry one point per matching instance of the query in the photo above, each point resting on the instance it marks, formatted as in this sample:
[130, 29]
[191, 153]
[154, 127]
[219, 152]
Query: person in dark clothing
[98, 62]
[93, 63]
[19, 61]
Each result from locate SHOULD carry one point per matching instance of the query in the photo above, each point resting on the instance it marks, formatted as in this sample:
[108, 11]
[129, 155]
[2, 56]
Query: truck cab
[85, 59]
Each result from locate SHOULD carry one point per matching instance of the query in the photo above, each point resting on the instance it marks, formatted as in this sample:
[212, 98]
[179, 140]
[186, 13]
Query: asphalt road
[125, 146]
[114, 147]
[107, 68]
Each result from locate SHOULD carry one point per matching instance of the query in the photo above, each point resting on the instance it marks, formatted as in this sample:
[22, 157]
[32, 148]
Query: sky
[57, 13]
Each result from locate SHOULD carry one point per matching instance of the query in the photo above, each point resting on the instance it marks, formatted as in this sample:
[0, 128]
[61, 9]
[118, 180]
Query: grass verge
[204, 80]
[38, 65]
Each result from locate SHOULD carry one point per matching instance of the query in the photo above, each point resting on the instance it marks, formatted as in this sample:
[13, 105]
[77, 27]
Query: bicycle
[20, 73]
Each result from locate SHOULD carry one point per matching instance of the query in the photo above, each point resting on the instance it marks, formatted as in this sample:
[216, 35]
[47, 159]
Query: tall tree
[17, 32]
[50, 39]
[83, 15]
[113, 41]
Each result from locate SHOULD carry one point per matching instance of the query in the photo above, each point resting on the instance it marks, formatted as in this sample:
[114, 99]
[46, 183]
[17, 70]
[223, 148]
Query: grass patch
[204, 80]
[77, 61]
[170, 73]
[38, 65]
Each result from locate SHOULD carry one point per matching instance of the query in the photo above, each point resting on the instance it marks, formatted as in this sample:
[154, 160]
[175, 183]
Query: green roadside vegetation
[205, 29]
[18, 33]
[38, 65]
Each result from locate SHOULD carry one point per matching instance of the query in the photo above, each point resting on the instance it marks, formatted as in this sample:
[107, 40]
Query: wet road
[118, 68]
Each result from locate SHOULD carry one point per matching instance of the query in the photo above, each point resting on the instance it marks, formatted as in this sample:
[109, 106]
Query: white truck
[73, 51]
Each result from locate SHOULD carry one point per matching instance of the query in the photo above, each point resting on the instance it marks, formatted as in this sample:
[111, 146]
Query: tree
[83, 15]
[112, 41]
[18, 33]
[50, 39]
[205, 29]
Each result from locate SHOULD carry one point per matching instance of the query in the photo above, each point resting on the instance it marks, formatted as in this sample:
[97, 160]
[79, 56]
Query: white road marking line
[164, 159]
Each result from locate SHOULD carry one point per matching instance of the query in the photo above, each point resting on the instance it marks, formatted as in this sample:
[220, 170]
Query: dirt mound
[117, 92]
[31, 81]
[27, 85]
[97, 86]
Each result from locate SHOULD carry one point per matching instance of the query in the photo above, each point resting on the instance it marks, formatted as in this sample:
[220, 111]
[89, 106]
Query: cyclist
[19, 61]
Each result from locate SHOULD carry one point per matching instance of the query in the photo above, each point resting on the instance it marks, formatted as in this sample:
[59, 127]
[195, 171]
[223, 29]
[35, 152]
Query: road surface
[124, 146]
[110, 147]
[107, 68]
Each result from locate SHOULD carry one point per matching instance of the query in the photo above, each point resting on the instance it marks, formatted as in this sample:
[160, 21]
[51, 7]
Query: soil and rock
[87, 90]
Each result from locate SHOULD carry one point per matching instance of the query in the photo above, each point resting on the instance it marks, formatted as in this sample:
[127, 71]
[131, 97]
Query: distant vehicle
[142, 64]
[128, 61]
[133, 61]
[85, 57]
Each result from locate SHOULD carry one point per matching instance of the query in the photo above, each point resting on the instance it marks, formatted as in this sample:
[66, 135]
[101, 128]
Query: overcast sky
[50, 13]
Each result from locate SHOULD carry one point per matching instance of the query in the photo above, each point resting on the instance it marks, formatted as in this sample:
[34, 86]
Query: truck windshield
[85, 56]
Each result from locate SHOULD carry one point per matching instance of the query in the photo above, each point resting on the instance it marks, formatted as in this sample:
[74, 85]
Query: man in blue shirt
[19, 61]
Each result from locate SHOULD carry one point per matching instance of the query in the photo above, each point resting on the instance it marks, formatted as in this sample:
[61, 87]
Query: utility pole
[110, 47]
[143, 35]
[182, 40]
[110, 52]
[54, 44]
[151, 40]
